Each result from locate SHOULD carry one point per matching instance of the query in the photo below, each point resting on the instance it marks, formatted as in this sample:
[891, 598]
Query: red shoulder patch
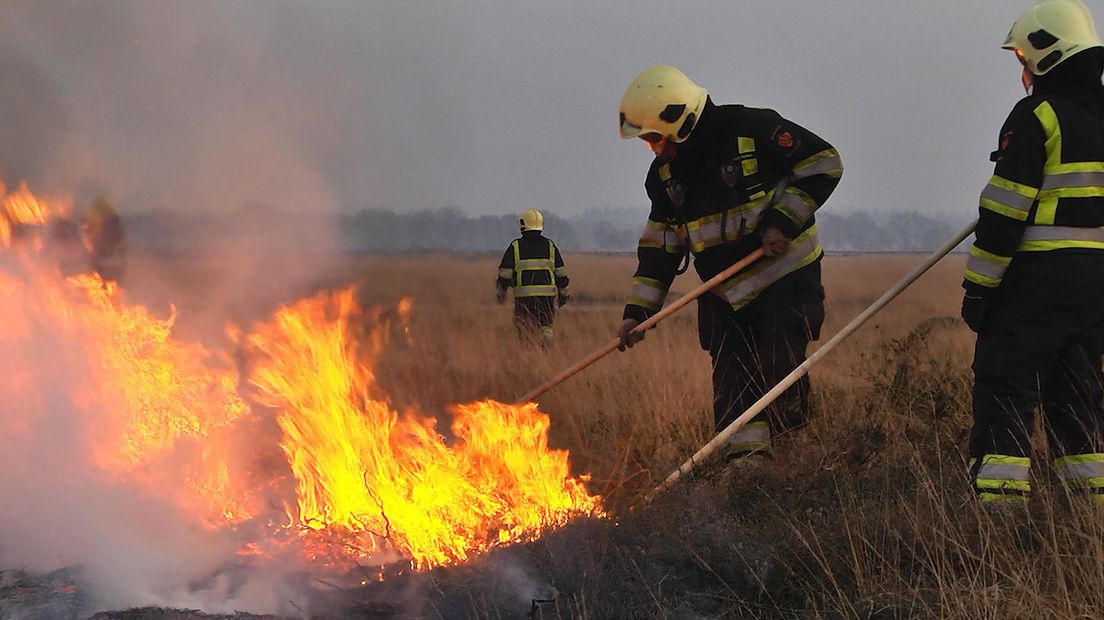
[998, 154]
[784, 139]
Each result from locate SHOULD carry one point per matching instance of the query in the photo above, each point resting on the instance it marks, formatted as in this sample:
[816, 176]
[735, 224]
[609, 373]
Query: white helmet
[663, 101]
[1050, 32]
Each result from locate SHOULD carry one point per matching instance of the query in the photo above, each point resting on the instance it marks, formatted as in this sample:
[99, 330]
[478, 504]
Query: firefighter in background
[725, 181]
[63, 246]
[102, 235]
[534, 267]
[1035, 275]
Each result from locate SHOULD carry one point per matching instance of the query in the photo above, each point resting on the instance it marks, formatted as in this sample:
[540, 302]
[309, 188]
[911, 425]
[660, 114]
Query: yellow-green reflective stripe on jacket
[648, 293]
[534, 264]
[1062, 181]
[745, 286]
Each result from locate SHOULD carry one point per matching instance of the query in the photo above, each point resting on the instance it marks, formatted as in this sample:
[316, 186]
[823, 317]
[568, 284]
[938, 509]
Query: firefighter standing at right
[1035, 276]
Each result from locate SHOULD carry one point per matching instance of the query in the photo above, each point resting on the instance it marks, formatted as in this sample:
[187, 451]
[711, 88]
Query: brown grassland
[867, 512]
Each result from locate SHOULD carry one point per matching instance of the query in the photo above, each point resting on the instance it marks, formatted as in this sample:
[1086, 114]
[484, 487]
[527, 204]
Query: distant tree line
[451, 229]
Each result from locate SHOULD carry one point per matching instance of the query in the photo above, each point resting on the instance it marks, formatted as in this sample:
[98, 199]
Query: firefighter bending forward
[534, 267]
[725, 181]
[1035, 275]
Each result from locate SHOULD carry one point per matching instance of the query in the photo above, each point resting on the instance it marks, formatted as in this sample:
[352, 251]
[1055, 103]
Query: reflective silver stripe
[533, 264]
[651, 236]
[1063, 233]
[506, 274]
[824, 166]
[796, 203]
[797, 256]
[648, 292]
[660, 236]
[711, 231]
[707, 235]
[1071, 471]
[1007, 198]
[752, 433]
[672, 241]
[983, 267]
[535, 290]
[1073, 179]
[999, 471]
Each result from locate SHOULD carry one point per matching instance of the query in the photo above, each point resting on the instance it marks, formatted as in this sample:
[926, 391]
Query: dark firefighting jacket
[740, 171]
[534, 266]
[1047, 190]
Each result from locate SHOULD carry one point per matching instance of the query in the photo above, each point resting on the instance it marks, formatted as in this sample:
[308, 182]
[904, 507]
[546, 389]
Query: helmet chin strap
[1028, 80]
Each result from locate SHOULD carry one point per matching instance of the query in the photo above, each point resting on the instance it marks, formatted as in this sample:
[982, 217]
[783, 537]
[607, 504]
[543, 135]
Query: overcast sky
[488, 106]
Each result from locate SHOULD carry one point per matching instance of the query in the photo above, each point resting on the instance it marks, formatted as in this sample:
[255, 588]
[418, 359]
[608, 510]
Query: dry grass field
[865, 513]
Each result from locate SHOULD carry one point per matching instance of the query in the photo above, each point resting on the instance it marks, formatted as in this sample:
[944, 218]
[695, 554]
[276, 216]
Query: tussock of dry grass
[865, 513]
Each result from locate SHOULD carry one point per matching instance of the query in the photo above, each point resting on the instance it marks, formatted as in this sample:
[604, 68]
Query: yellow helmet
[1050, 32]
[662, 100]
[531, 219]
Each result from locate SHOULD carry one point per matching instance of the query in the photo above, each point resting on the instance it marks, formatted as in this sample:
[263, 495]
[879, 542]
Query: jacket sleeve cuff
[774, 217]
[636, 313]
[977, 290]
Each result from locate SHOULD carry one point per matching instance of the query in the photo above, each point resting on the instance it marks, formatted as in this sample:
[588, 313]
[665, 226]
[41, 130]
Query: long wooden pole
[651, 322]
[761, 404]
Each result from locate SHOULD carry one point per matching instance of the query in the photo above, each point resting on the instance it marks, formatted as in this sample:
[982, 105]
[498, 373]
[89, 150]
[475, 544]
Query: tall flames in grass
[160, 415]
[362, 466]
[150, 403]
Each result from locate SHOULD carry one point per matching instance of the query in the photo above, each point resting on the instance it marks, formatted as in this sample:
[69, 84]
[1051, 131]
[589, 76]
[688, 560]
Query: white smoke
[131, 544]
[184, 111]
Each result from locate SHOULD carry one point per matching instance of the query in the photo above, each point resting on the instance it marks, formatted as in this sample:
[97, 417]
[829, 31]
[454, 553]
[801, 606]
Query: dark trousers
[755, 347]
[1042, 344]
[533, 317]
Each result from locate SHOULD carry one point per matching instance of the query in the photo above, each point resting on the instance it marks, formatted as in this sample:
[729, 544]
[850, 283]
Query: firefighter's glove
[775, 242]
[627, 336]
[500, 295]
[562, 298]
[973, 311]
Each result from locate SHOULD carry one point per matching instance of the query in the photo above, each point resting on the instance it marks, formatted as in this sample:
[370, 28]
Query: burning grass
[865, 513]
[147, 415]
[391, 478]
[325, 438]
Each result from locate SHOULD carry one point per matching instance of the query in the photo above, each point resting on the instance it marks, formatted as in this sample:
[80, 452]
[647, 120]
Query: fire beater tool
[723, 436]
[651, 322]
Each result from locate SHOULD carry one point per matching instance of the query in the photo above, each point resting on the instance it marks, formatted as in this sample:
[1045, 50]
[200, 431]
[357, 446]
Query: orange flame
[140, 393]
[160, 415]
[21, 208]
[390, 478]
